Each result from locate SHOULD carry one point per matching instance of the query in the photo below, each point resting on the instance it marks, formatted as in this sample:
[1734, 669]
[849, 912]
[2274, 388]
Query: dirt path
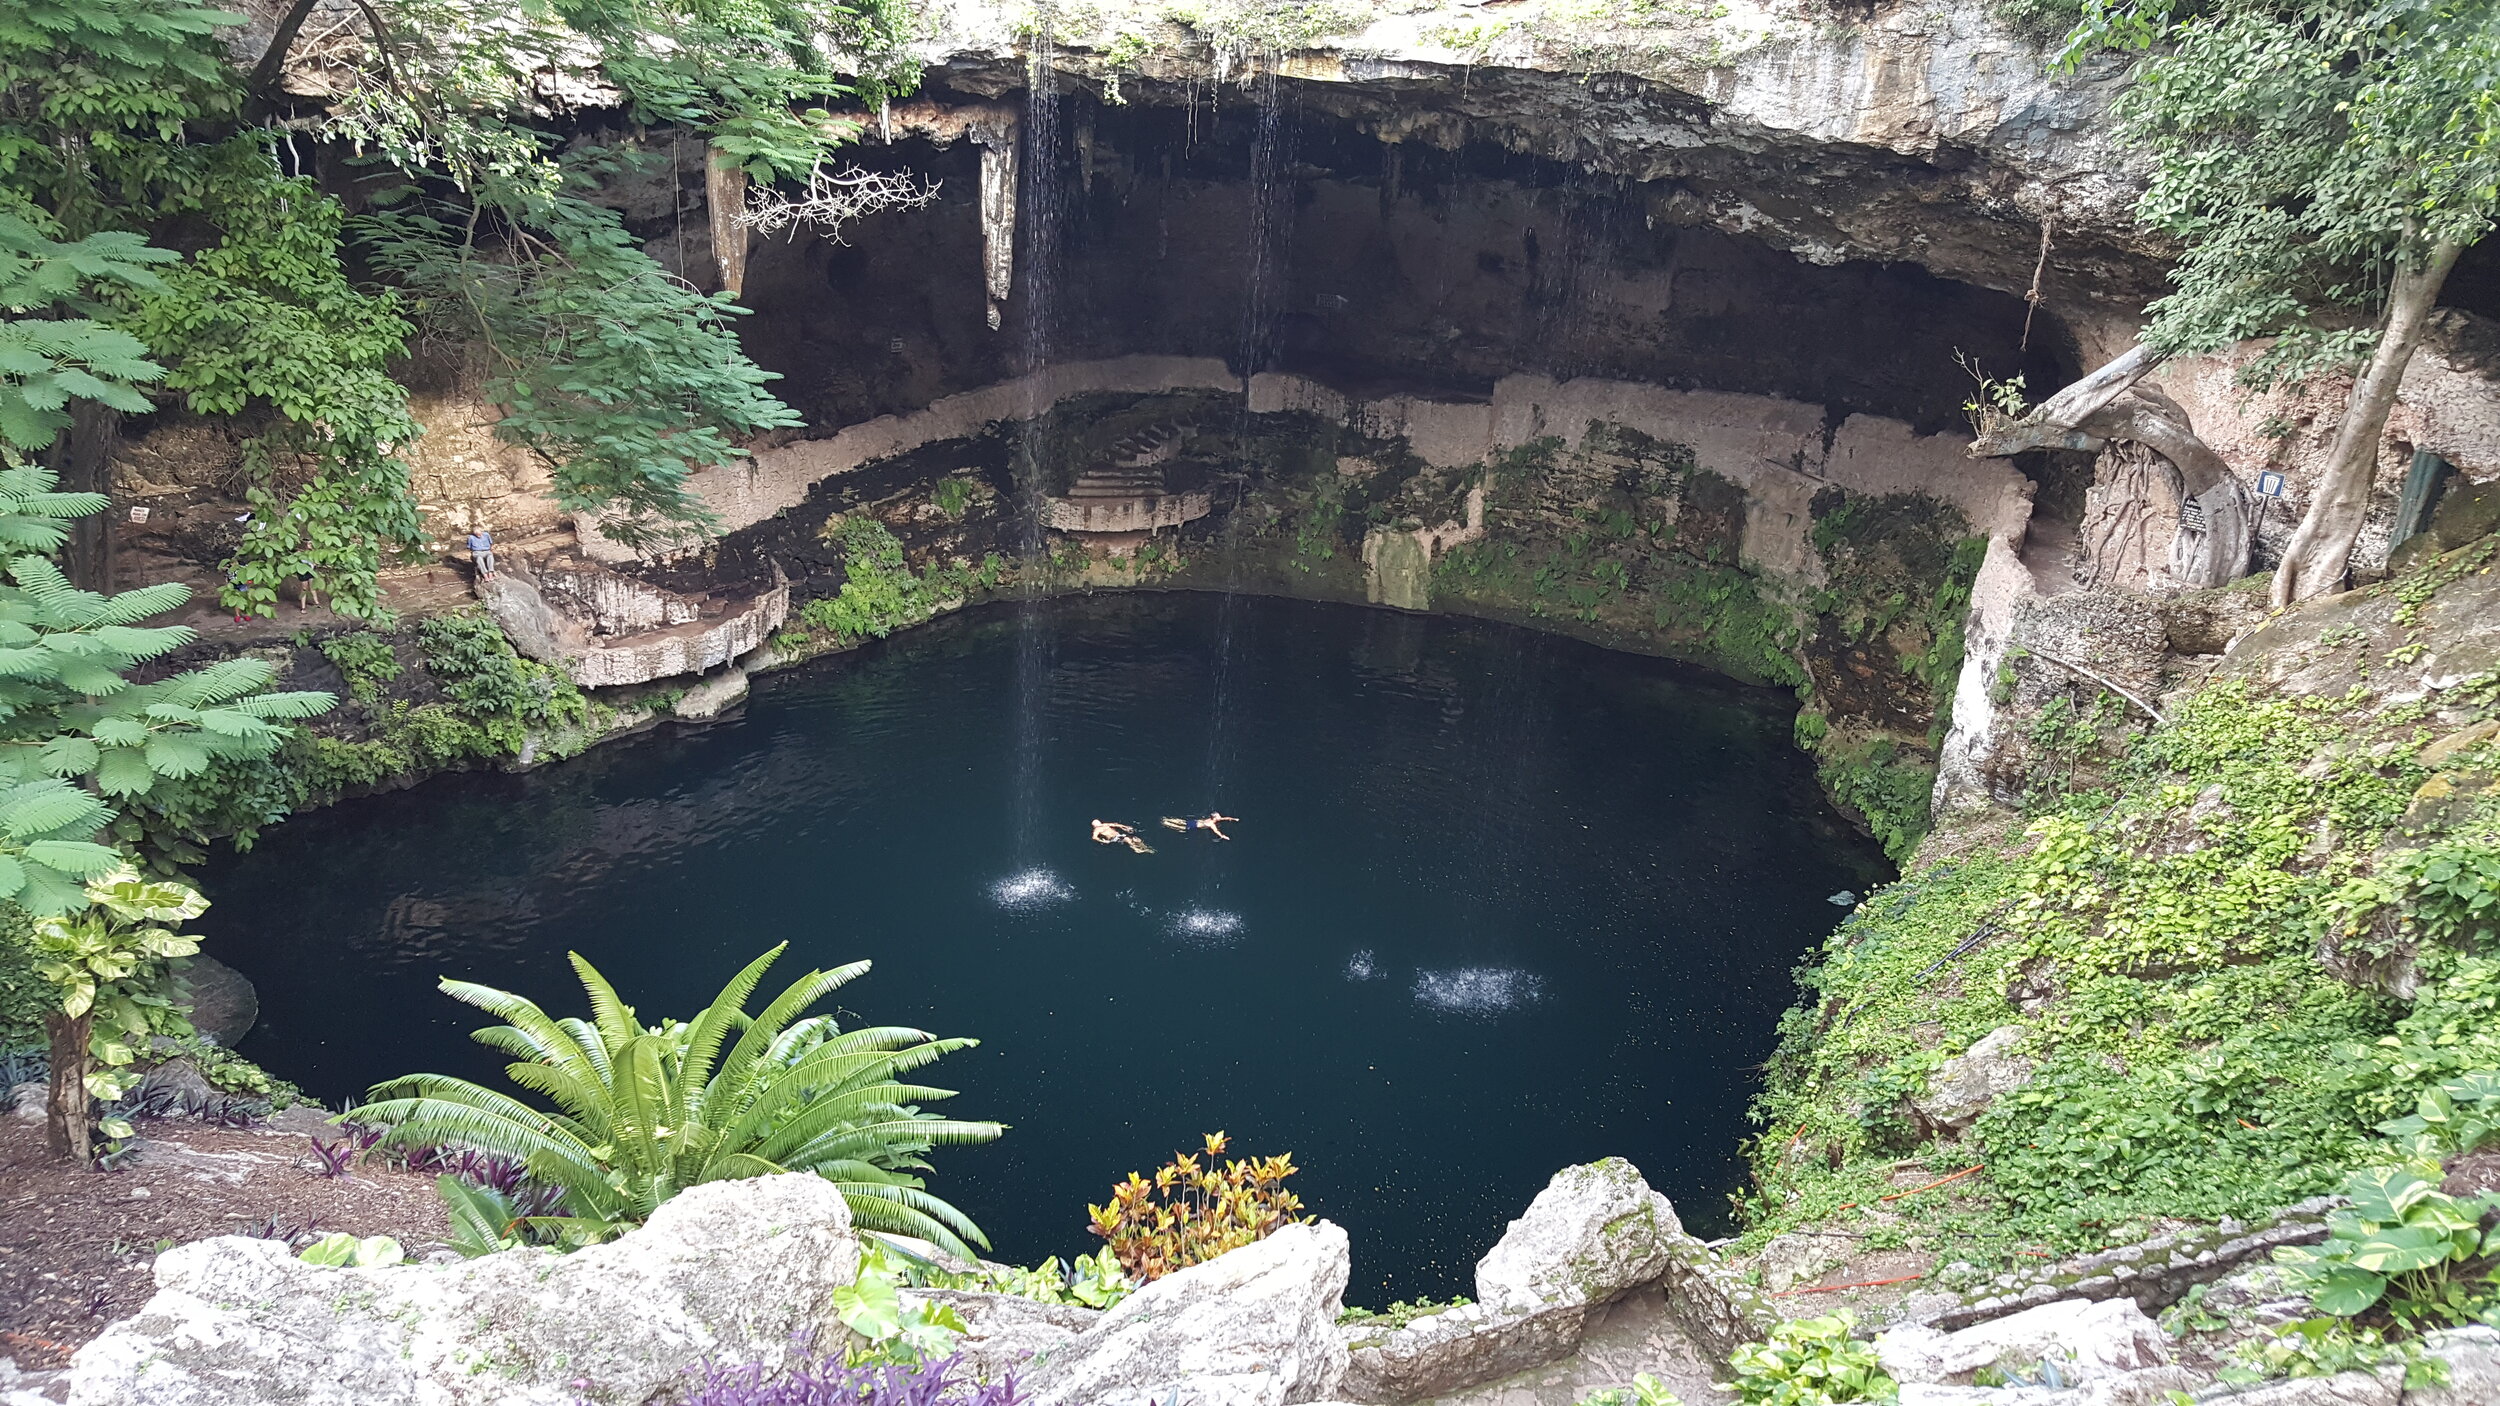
[77, 1247]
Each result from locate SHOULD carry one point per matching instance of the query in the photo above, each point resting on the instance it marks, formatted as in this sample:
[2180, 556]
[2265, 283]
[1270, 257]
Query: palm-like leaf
[649, 1111]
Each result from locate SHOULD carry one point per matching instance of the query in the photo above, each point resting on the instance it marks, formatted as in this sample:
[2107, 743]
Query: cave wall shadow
[1391, 267]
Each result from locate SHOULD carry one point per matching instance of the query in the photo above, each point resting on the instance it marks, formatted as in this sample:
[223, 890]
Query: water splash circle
[1207, 927]
[1477, 991]
[1030, 889]
[1361, 967]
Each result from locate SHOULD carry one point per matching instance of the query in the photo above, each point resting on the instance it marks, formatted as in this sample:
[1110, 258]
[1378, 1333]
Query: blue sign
[2269, 484]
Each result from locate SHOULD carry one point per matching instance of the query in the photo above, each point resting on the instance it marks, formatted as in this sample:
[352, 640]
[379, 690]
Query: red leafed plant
[1190, 1213]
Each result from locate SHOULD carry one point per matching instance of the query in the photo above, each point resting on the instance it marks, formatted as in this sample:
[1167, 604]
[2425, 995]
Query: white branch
[834, 199]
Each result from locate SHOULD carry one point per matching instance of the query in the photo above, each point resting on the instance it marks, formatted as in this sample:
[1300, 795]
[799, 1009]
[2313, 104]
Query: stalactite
[998, 216]
[725, 192]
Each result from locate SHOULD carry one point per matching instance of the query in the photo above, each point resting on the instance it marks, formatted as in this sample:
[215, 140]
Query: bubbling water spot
[1478, 991]
[1030, 889]
[1207, 927]
[1361, 967]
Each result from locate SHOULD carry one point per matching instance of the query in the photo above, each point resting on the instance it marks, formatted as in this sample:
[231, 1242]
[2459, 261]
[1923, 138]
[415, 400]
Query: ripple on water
[1477, 991]
[1207, 927]
[1029, 889]
[1361, 967]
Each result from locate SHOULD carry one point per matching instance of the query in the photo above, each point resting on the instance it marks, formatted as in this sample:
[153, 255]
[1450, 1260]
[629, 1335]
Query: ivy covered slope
[2209, 967]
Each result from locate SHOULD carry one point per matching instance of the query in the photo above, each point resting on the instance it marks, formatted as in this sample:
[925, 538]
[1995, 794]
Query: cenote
[1499, 902]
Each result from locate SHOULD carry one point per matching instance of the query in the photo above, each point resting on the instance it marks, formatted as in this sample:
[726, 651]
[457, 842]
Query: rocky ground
[76, 1246]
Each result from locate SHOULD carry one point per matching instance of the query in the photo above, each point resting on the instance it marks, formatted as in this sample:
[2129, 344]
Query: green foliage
[491, 683]
[622, 378]
[2299, 148]
[108, 963]
[25, 996]
[266, 318]
[649, 1111]
[1645, 1390]
[1872, 775]
[69, 715]
[880, 593]
[101, 92]
[2423, 1257]
[1811, 1362]
[2195, 1059]
[1091, 1281]
[368, 661]
[2460, 1115]
[2324, 1347]
[892, 1332]
[1397, 1315]
[1192, 1212]
[49, 360]
[345, 1250]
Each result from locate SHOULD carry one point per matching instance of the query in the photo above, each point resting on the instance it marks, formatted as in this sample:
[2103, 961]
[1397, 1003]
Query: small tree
[108, 963]
[2323, 162]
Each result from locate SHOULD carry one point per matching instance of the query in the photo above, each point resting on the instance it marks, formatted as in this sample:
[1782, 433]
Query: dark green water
[1499, 902]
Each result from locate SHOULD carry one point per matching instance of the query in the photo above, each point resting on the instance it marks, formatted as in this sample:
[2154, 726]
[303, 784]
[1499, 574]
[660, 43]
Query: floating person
[1210, 823]
[1112, 832]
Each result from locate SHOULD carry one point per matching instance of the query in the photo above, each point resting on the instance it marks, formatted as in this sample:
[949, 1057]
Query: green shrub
[1811, 1362]
[2404, 1247]
[880, 594]
[368, 661]
[647, 1111]
[492, 685]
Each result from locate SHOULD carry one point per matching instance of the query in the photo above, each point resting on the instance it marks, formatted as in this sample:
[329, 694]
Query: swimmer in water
[1209, 824]
[1112, 832]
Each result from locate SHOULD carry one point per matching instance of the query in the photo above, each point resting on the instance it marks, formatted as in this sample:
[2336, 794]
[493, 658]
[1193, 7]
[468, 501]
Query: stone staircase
[1125, 494]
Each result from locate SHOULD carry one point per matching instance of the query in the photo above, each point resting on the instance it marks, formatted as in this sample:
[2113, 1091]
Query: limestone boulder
[731, 1272]
[1595, 1233]
[1962, 1087]
[2473, 1357]
[1451, 1351]
[1256, 1326]
[2151, 1387]
[1006, 1335]
[2087, 1339]
[224, 1005]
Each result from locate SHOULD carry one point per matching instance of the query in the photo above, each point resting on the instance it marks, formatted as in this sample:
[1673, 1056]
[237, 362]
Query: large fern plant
[647, 1111]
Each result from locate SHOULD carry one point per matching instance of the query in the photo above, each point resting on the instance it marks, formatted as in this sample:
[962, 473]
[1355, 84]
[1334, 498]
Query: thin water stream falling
[1270, 235]
[1040, 208]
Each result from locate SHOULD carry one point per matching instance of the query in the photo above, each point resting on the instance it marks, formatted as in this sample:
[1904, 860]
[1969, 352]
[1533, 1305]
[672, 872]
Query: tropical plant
[349, 1251]
[1190, 1213]
[49, 361]
[647, 1111]
[2405, 1248]
[1811, 1362]
[107, 964]
[2460, 1115]
[893, 1330]
[69, 716]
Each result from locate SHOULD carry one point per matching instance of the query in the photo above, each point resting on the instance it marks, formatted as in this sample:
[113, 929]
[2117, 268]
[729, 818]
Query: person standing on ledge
[482, 550]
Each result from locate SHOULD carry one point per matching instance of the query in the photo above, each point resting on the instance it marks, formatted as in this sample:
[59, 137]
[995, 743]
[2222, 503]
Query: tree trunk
[83, 456]
[69, 1127]
[270, 72]
[2315, 562]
